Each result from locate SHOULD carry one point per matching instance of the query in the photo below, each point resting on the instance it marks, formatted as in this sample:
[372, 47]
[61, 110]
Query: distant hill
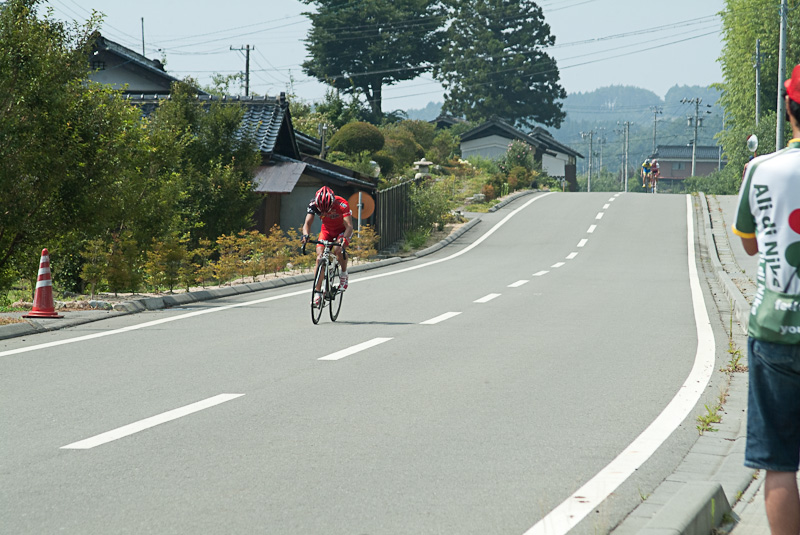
[428, 113]
[605, 110]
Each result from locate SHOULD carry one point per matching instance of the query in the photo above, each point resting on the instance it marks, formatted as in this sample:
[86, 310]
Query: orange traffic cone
[43, 304]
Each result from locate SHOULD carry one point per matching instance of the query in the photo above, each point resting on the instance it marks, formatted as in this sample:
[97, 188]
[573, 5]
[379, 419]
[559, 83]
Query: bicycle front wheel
[316, 309]
[335, 294]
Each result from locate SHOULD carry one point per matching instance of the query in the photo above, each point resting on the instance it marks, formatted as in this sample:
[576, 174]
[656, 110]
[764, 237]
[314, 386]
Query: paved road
[567, 332]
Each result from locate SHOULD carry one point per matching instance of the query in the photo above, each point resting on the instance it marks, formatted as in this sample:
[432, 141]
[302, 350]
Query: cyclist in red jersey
[337, 224]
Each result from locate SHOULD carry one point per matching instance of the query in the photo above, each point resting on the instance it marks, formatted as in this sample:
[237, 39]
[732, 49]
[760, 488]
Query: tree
[41, 64]
[494, 64]
[743, 22]
[359, 47]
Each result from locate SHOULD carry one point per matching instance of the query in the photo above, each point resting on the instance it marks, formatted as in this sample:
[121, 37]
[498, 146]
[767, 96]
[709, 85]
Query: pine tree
[495, 64]
[359, 47]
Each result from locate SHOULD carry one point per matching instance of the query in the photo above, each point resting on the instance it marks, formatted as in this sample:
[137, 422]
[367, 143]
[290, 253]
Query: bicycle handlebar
[321, 242]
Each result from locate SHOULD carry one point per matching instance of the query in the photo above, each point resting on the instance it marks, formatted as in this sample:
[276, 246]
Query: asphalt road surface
[470, 391]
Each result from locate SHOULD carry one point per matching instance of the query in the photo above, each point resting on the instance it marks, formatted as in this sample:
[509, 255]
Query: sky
[650, 44]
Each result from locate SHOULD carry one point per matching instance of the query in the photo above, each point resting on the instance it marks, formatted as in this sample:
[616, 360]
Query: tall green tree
[494, 63]
[744, 22]
[43, 105]
[360, 47]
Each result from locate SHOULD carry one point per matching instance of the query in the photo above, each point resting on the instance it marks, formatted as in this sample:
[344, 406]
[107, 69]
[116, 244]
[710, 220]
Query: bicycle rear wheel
[316, 310]
[335, 294]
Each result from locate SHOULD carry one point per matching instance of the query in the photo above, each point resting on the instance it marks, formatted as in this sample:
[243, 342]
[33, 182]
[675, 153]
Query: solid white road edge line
[486, 298]
[439, 319]
[147, 423]
[567, 515]
[267, 299]
[355, 349]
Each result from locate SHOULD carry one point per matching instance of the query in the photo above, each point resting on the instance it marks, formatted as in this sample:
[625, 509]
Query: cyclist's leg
[341, 256]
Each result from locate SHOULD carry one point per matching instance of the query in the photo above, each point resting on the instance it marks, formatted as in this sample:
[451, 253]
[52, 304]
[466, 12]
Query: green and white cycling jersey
[769, 211]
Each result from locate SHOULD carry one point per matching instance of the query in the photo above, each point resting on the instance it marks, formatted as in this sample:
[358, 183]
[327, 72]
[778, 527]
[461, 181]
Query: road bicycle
[328, 280]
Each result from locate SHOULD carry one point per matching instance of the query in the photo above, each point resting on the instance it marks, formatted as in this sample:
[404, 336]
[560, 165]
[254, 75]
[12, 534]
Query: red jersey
[333, 221]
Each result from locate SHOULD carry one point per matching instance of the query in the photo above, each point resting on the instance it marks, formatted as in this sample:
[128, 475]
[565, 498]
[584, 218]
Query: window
[98, 65]
[678, 166]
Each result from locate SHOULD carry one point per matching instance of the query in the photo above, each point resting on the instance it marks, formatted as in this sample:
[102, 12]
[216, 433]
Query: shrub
[518, 154]
[123, 268]
[423, 132]
[445, 146]
[355, 138]
[95, 258]
[429, 204]
[165, 261]
[401, 145]
[385, 161]
[488, 191]
[363, 244]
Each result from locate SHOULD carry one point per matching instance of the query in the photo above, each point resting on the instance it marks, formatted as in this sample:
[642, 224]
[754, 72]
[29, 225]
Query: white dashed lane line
[147, 423]
[570, 256]
[540, 273]
[591, 229]
[606, 206]
[518, 283]
[557, 265]
[582, 242]
[354, 349]
[486, 298]
[439, 319]
[599, 215]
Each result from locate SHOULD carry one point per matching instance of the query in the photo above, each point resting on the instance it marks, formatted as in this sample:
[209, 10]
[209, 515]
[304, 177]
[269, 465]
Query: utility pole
[758, 79]
[781, 76]
[247, 49]
[590, 134]
[656, 110]
[697, 122]
[626, 132]
[143, 36]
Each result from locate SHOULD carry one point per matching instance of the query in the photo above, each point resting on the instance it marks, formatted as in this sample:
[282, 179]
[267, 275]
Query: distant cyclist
[337, 224]
[654, 172]
[646, 172]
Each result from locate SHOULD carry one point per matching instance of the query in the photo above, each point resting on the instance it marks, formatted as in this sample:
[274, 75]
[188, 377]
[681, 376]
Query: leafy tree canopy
[494, 63]
[744, 22]
[359, 47]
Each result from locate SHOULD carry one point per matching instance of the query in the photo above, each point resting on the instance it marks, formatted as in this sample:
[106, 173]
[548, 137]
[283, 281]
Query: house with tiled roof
[290, 170]
[491, 140]
[675, 162]
[128, 71]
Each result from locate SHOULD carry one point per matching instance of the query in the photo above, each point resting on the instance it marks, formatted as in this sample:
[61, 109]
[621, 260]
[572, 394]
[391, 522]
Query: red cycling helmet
[324, 199]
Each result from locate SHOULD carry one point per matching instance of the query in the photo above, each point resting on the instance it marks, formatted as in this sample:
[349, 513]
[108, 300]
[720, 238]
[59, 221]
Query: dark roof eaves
[327, 172]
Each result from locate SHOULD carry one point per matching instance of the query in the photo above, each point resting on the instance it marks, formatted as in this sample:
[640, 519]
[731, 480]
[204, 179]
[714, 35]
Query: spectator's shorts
[773, 407]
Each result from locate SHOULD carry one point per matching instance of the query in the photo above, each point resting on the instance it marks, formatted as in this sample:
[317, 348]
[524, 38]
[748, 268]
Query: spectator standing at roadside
[768, 221]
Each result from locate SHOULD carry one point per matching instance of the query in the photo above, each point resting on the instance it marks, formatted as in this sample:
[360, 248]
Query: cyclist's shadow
[376, 322]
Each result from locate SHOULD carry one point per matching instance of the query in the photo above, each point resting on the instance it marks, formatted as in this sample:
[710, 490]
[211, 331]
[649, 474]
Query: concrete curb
[698, 508]
[740, 306]
[15, 330]
[513, 198]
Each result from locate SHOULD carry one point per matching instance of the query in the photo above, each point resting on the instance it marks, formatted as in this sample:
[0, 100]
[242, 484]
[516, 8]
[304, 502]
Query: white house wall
[554, 165]
[294, 206]
[489, 147]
